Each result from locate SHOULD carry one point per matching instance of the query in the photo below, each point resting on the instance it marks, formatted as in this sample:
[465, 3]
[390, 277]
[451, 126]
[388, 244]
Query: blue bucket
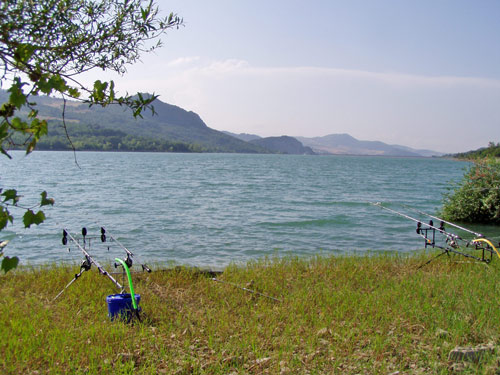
[120, 306]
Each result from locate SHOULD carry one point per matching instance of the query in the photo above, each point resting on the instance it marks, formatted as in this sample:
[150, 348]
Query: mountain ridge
[169, 123]
[345, 144]
[178, 129]
[284, 145]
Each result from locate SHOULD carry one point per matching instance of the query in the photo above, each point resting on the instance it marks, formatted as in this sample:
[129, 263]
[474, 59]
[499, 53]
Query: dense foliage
[476, 199]
[44, 46]
[492, 151]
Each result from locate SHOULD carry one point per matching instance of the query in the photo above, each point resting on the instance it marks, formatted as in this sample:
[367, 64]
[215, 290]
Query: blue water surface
[215, 209]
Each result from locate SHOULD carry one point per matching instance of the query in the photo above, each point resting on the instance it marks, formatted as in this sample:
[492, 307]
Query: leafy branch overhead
[45, 45]
[9, 200]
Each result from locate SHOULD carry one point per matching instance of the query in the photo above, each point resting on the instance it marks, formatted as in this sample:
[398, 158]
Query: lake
[215, 209]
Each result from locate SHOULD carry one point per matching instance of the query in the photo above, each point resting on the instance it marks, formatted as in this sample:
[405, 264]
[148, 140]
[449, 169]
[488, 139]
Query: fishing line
[246, 289]
[444, 221]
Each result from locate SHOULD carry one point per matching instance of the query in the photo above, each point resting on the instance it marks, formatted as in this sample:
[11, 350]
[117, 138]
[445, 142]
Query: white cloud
[183, 61]
[242, 67]
[417, 111]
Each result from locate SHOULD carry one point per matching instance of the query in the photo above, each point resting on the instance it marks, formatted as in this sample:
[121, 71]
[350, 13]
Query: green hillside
[493, 150]
[283, 145]
[95, 138]
[170, 129]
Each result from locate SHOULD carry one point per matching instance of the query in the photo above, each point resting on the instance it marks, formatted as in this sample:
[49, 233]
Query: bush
[476, 199]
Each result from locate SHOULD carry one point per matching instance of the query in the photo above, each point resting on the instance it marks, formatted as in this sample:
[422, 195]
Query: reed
[345, 314]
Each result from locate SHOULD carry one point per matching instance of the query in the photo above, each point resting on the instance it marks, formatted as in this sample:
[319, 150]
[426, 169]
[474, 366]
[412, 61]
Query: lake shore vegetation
[370, 314]
[492, 151]
[476, 198]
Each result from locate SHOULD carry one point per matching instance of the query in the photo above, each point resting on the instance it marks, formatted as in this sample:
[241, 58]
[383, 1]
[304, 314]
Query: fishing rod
[87, 262]
[429, 225]
[452, 240]
[130, 254]
[246, 289]
[444, 221]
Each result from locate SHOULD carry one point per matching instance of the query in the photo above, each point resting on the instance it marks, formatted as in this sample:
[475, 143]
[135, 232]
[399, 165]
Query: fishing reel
[85, 266]
[127, 260]
[452, 241]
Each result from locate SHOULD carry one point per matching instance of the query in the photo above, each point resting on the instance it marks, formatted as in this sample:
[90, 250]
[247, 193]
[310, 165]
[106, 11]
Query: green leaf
[5, 217]
[24, 52]
[43, 84]
[31, 146]
[58, 83]
[74, 93]
[19, 124]
[99, 92]
[17, 96]
[9, 263]
[38, 127]
[46, 201]
[31, 218]
[10, 194]
[7, 110]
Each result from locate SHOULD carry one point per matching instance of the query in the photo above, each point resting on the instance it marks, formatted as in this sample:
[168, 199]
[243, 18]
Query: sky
[423, 74]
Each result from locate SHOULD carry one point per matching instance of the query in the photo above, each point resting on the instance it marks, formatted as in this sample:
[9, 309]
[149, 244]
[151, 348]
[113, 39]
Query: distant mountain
[171, 123]
[283, 145]
[348, 145]
[175, 129]
[421, 152]
[243, 136]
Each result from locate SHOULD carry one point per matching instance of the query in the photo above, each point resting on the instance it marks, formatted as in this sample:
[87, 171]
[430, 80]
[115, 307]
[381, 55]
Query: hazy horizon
[423, 74]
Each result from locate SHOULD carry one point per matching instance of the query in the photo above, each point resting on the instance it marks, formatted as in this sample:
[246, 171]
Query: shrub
[476, 199]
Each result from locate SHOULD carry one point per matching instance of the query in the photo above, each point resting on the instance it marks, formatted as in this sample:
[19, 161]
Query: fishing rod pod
[87, 262]
[119, 305]
[452, 241]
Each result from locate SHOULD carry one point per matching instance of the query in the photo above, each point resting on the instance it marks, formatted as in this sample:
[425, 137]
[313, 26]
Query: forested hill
[114, 128]
[493, 150]
[283, 145]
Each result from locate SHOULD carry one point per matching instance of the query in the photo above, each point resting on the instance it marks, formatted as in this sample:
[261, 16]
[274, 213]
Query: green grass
[338, 315]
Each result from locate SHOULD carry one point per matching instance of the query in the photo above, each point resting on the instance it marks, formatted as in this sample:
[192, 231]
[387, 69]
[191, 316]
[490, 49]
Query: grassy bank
[345, 315]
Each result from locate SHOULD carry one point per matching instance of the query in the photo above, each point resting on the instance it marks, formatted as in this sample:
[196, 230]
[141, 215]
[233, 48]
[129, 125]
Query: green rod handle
[131, 287]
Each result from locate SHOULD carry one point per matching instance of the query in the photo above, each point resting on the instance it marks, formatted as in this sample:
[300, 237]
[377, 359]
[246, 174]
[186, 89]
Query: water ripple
[215, 209]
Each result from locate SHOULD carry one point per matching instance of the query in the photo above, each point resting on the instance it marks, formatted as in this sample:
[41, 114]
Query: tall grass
[346, 315]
